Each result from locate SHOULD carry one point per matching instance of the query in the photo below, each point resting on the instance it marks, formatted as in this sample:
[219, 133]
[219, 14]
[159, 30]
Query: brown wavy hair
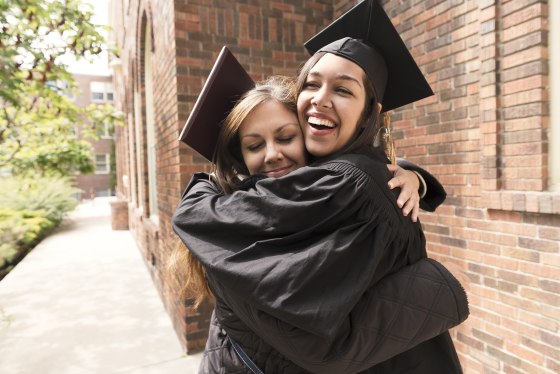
[229, 168]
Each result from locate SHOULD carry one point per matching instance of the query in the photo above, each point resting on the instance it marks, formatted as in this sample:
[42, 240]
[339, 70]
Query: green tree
[38, 119]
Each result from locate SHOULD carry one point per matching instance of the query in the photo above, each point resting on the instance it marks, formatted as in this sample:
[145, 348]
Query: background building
[95, 84]
[97, 89]
[490, 134]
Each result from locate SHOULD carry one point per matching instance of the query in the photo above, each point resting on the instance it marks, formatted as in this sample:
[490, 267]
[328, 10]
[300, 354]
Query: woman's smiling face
[331, 104]
[271, 140]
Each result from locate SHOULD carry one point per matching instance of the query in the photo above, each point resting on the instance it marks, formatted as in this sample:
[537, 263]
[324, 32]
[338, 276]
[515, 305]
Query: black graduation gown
[295, 260]
[436, 193]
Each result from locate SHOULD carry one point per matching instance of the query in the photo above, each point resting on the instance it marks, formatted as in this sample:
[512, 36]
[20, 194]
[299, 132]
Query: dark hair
[369, 123]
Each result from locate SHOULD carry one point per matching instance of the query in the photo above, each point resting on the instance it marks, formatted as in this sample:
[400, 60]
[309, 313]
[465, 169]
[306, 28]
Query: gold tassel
[388, 138]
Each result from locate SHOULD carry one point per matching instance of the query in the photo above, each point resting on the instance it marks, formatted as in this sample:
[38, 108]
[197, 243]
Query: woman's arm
[284, 243]
[435, 193]
[403, 310]
[319, 236]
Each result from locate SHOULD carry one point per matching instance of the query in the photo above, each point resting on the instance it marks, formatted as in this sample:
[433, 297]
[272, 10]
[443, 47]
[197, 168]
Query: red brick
[524, 57]
[530, 355]
[523, 84]
[537, 345]
[531, 12]
[550, 233]
[521, 29]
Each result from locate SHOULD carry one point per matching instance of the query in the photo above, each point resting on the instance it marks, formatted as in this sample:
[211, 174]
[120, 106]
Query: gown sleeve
[299, 247]
[404, 309]
[435, 193]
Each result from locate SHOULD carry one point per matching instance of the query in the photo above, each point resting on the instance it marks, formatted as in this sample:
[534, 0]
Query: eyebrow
[339, 76]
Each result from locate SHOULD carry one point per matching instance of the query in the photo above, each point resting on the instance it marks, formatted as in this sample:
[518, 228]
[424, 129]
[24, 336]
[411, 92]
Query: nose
[273, 154]
[321, 98]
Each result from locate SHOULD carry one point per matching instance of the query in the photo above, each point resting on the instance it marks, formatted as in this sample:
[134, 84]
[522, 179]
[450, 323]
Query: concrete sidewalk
[83, 302]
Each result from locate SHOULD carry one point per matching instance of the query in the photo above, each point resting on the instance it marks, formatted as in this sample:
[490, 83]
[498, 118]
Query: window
[101, 91]
[97, 96]
[102, 164]
[107, 131]
[62, 88]
[103, 192]
[151, 141]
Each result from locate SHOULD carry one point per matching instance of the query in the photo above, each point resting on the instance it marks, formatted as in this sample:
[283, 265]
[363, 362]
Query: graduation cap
[226, 82]
[366, 36]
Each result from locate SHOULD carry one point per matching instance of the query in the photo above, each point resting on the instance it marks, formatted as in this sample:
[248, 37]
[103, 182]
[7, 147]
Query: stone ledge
[523, 201]
[119, 215]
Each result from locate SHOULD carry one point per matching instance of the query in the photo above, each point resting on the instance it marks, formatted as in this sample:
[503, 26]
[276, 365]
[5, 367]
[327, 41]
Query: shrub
[20, 231]
[52, 195]
[8, 253]
[30, 209]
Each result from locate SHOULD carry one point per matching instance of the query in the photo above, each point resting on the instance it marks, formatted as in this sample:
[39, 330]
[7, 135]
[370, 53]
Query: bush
[52, 195]
[30, 210]
[19, 232]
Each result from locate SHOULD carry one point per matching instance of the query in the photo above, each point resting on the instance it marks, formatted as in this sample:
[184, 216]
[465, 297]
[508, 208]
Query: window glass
[97, 96]
[101, 164]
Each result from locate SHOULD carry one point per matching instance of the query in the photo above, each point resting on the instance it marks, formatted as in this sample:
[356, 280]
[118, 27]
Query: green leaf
[36, 116]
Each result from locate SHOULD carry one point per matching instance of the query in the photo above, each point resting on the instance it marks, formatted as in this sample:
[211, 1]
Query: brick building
[490, 134]
[96, 89]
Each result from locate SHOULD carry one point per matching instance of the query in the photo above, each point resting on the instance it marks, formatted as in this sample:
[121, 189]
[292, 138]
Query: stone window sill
[523, 201]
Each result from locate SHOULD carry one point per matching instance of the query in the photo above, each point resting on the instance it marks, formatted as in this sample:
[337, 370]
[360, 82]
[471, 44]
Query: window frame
[107, 163]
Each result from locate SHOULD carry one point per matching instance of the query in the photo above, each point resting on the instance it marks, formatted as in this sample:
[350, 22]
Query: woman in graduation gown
[301, 265]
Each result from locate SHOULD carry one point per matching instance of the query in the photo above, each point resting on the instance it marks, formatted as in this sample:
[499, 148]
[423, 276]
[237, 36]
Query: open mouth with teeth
[321, 123]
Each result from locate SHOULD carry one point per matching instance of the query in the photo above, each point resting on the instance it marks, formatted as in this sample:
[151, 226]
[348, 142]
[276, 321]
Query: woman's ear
[379, 107]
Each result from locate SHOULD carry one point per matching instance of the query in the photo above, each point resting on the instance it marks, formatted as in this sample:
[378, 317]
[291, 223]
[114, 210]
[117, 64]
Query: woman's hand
[409, 199]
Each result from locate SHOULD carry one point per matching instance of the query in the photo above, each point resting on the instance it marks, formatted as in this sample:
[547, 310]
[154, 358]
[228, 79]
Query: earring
[388, 139]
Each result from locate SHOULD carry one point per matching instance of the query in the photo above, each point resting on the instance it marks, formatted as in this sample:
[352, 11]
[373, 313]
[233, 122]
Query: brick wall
[484, 135]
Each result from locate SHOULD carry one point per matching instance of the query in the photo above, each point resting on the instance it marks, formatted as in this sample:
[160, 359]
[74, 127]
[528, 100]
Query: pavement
[83, 302]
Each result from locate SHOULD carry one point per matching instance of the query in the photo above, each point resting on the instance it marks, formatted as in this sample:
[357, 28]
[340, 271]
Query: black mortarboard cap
[226, 82]
[366, 36]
